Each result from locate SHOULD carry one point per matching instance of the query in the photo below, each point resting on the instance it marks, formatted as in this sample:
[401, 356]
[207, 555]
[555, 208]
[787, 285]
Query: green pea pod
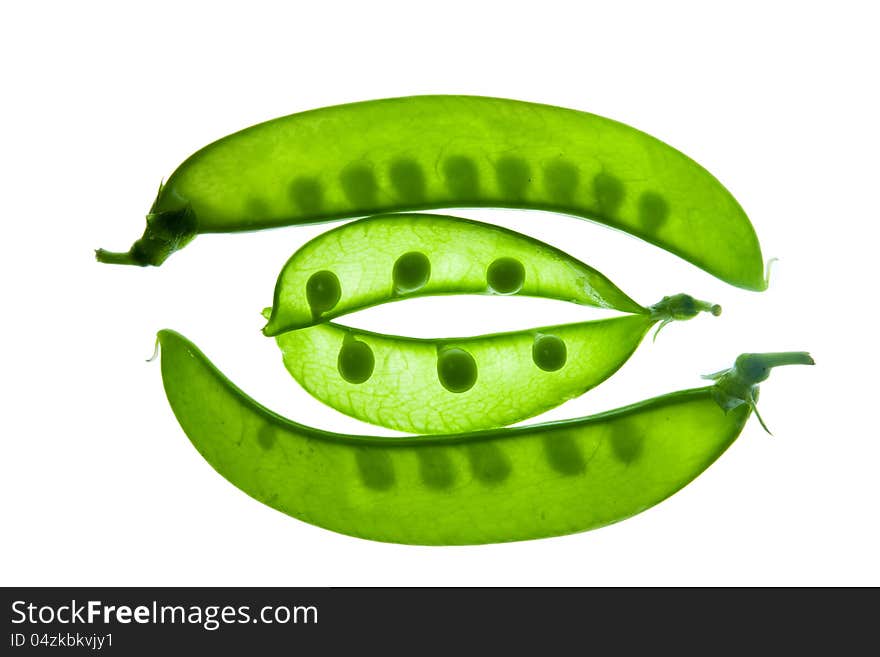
[438, 386]
[451, 151]
[391, 257]
[485, 487]
[465, 384]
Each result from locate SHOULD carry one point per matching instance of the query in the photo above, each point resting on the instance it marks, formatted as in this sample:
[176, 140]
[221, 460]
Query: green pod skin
[465, 384]
[424, 152]
[391, 257]
[486, 487]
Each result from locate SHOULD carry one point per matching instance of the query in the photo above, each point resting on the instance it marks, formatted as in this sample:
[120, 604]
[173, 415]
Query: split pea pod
[466, 384]
[451, 151]
[485, 487]
[462, 384]
[392, 257]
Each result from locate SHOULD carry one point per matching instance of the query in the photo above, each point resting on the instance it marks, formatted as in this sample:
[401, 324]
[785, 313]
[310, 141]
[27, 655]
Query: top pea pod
[425, 152]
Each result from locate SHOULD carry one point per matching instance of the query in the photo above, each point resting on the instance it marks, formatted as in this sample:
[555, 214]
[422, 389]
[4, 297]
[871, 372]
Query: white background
[100, 486]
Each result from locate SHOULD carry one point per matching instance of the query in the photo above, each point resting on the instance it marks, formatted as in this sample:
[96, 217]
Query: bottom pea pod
[465, 384]
[482, 487]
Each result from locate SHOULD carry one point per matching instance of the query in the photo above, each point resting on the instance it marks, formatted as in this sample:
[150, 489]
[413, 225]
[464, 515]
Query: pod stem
[739, 384]
[680, 307]
[166, 232]
[775, 359]
[117, 257]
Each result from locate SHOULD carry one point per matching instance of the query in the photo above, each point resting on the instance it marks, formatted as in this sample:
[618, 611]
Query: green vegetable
[485, 487]
[438, 386]
[464, 384]
[451, 151]
[391, 257]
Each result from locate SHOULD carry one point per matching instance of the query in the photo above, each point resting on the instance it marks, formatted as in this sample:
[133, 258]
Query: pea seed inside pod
[408, 180]
[462, 176]
[323, 291]
[456, 369]
[653, 211]
[549, 352]
[506, 276]
[356, 361]
[411, 272]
